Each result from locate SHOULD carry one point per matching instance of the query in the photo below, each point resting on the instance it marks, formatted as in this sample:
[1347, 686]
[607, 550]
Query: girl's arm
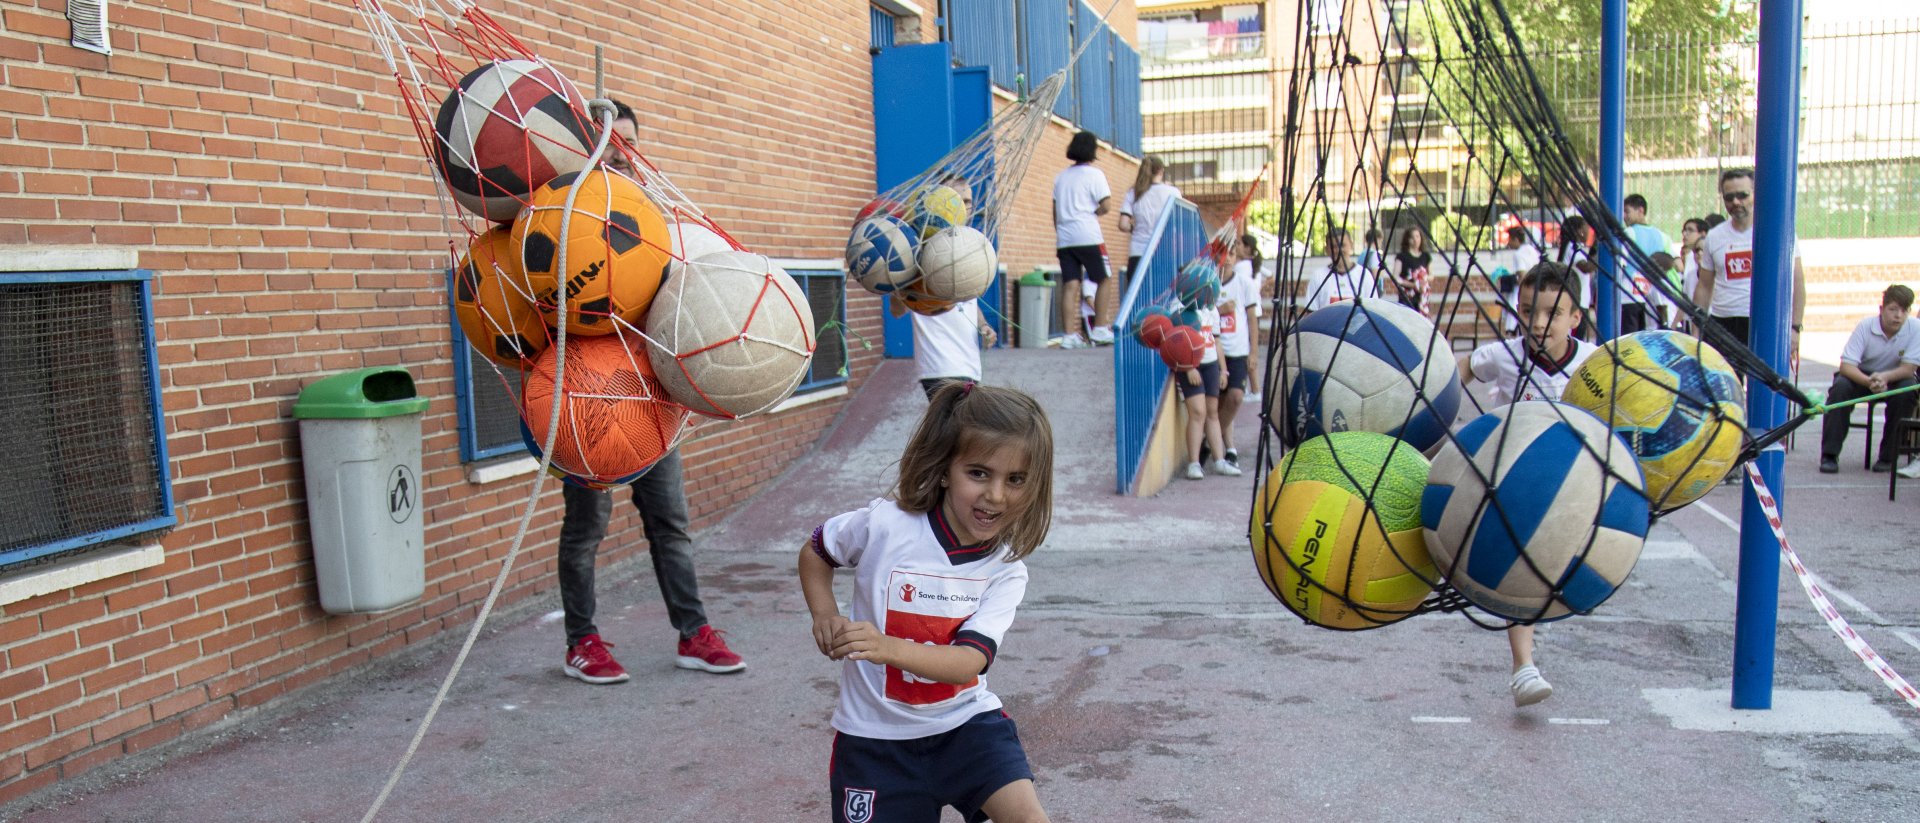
[816, 584]
[955, 665]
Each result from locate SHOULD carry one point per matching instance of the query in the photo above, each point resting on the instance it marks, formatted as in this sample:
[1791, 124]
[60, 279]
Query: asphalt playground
[1151, 674]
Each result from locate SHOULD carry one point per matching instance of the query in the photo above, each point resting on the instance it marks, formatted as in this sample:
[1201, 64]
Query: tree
[1683, 82]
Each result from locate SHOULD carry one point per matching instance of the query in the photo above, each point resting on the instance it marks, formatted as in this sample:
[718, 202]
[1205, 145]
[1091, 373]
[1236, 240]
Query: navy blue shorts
[910, 781]
[1209, 381]
[1236, 373]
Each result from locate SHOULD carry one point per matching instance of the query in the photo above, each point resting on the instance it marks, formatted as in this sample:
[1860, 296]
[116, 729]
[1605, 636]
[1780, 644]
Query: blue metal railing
[1139, 377]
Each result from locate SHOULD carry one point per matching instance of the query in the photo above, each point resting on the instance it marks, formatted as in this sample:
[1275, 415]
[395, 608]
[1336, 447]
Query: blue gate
[1139, 377]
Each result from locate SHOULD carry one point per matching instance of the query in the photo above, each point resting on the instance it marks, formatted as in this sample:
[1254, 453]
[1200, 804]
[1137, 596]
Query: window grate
[77, 392]
[826, 294]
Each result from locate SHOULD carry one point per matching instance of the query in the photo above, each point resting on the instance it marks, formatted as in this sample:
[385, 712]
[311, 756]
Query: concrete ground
[1152, 676]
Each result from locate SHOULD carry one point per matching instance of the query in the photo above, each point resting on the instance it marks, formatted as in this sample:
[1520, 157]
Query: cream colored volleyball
[732, 336]
[956, 264]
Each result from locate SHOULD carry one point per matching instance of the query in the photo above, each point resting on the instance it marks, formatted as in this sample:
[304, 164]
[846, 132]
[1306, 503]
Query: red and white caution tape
[1821, 604]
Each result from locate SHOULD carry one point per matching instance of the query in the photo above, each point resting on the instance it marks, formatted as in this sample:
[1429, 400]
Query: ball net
[932, 238]
[613, 309]
[1389, 485]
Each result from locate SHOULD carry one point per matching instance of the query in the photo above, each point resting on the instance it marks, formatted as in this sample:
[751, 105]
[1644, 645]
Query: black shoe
[1233, 456]
[1882, 466]
[1829, 465]
[1206, 454]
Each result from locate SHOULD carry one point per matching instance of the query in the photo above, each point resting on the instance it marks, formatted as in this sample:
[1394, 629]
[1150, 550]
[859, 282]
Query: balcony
[1185, 54]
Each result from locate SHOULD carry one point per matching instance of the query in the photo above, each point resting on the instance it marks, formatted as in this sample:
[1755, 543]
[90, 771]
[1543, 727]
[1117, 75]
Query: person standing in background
[1141, 207]
[1080, 197]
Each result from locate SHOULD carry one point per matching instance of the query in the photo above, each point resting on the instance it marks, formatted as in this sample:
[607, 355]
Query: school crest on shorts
[859, 805]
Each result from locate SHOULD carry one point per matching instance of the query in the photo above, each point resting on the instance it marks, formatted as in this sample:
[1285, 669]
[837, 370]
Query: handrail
[1139, 377]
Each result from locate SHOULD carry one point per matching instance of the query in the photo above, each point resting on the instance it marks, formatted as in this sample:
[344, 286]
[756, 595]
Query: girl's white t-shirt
[1243, 292]
[909, 585]
[948, 344]
[1145, 212]
[1076, 193]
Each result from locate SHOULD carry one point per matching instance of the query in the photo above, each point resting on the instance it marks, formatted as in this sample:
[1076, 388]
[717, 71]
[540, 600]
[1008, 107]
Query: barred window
[825, 284]
[79, 389]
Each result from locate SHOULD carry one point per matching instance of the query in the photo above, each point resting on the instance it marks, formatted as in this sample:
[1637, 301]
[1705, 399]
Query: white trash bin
[360, 444]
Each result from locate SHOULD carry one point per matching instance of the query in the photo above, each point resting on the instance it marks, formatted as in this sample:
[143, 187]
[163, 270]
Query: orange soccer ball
[615, 419]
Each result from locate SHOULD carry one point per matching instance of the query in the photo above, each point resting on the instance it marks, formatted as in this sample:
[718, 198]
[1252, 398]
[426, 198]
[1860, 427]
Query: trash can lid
[381, 391]
[1037, 277]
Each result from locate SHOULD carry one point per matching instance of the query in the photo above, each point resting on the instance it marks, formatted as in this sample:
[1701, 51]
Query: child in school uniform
[938, 574]
[1535, 366]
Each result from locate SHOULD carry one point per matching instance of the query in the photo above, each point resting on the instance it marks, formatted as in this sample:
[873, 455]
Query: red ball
[1153, 330]
[880, 205]
[1182, 348]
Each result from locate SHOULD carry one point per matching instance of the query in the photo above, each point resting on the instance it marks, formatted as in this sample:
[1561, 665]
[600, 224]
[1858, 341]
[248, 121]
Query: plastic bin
[1036, 309]
[360, 443]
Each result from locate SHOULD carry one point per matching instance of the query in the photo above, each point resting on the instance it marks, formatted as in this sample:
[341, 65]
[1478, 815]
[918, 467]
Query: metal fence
[1139, 377]
[1692, 115]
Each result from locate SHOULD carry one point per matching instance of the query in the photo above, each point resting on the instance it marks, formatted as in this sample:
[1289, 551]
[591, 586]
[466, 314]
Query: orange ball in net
[615, 419]
[494, 304]
[617, 246]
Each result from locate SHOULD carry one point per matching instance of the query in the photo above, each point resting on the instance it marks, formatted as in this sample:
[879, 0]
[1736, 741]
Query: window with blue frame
[825, 285]
[489, 414]
[86, 458]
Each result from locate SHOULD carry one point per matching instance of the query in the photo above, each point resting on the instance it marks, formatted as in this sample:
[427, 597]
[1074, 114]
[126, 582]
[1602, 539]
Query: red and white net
[595, 287]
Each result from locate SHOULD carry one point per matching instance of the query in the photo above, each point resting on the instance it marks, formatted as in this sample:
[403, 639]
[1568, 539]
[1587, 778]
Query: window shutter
[89, 19]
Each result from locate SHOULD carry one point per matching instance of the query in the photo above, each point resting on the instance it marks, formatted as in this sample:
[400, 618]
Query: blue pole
[1613, 130]
[1777, 149]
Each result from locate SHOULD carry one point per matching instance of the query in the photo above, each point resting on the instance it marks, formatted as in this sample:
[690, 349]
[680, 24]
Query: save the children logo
[906, 593]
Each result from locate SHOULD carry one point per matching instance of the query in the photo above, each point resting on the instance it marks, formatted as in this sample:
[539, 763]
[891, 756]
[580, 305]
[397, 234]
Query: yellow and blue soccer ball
[1673, 399]
[1535, 511]
[936, 208]
[1336, 531]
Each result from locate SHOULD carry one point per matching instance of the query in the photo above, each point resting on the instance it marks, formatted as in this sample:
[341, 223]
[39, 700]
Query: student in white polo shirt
[1343, 279]
[937, 575]
[1881, 355]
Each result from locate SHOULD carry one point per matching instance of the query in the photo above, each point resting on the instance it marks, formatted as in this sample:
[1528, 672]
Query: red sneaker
[706, 651]
[589, 660]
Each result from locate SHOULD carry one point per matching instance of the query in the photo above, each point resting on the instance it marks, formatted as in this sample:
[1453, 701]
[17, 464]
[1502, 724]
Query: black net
[1446, 429]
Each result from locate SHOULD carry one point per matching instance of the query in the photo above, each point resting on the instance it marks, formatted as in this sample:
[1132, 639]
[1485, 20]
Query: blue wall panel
[1126, 98]
[1093, 73]
[1047, 38]
[984, 34]
[913, 105]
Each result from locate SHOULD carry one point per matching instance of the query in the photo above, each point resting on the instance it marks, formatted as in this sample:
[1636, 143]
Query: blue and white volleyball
[1197, 284]
[1535, 511]
[881, 252]
[1369, 365]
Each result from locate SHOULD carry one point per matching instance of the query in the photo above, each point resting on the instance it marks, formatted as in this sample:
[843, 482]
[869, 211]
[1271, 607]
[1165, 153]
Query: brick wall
[258, 159]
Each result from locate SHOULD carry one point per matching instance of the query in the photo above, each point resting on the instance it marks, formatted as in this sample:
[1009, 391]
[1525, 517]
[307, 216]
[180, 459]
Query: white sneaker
[1073, 341]
[1194, 472]
[1102, 336]
[1222, 467]
[1252, 398]
[1529, 687]
[1912, 470]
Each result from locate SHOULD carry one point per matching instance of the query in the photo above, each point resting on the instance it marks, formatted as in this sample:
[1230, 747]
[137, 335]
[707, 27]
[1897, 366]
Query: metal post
[1777, 148]
[1613, 132]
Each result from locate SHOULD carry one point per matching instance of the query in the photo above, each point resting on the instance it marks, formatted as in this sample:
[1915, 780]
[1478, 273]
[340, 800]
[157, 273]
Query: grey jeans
[661, 497]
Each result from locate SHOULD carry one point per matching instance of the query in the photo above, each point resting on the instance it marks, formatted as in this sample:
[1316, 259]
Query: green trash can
[360, 441]
[1036, 309]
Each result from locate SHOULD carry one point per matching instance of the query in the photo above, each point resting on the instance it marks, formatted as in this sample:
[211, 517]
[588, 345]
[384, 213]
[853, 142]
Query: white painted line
[1906, 637]
[1794, 712]
[1852, 603]
[1578, 721]
[1715, 514]
[1424, 718]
